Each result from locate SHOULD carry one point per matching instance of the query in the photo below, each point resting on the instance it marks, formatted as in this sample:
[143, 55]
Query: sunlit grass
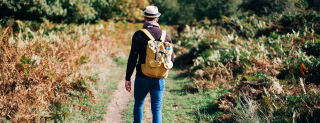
[55, 69]
[180, 105]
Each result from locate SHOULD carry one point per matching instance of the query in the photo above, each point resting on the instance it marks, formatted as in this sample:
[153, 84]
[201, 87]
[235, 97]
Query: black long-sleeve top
[138, 48]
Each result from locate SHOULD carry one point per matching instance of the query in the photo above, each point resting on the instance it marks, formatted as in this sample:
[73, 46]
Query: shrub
[169, 9]
[186, 11]
[75, 10]
[266, 7]
[314, 4]
[40, 67]
[70, 11]
[216, 8]
[274, 74]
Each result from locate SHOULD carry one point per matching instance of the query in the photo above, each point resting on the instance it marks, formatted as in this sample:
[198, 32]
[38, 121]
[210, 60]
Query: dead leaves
[303, 69]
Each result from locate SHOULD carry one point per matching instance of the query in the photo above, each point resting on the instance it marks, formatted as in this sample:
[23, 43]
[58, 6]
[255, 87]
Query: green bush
[74, 10]
[266, 7]
[186, 11]
[314, 4]
[170, 11]
[71, 11]
[216, 8]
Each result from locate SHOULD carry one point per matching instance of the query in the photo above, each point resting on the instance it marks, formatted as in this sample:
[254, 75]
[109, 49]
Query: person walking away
[153, 49]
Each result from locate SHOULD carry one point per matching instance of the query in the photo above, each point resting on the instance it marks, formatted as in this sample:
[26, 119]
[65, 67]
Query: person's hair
[150, 19]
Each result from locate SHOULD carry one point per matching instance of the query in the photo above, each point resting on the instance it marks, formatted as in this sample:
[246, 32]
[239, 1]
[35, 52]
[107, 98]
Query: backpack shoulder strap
[163, 36]
[148, 34]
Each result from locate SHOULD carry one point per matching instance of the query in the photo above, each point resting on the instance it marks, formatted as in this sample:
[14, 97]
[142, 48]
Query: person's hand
[128, 86]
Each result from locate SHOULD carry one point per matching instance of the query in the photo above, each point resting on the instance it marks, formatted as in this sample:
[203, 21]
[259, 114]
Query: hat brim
[150, 15]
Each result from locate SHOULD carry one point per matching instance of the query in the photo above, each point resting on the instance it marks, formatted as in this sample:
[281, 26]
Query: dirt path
[147, 108]
[119, 101]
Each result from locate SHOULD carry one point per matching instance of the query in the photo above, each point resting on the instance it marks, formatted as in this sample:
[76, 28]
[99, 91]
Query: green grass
[128, 113]
[4, 120]
[103, 89]
[182, 106]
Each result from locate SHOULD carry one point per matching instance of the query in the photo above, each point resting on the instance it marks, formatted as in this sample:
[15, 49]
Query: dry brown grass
[42, 70]
[29, 86]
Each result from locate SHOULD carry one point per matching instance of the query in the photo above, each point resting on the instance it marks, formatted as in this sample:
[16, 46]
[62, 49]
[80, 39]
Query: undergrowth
[269, 62]
[48, 70]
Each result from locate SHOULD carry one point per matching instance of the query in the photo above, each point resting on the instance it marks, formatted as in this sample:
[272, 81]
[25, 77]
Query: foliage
[42, 67]
[248, 111]
[267, 61]
[33, 79]
[170, 11]
[186, 11]
[173, 11]
[314, 4]
[69, 11]
[189, 11]
[266, 7]
[215, 8]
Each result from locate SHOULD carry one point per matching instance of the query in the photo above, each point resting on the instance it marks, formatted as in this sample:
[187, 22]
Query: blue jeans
[141, 88]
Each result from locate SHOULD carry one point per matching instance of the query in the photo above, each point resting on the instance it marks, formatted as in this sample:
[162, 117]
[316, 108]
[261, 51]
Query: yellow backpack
[158, 57]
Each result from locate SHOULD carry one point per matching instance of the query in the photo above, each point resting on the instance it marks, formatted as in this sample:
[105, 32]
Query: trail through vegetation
[236, 61]
[119, 101]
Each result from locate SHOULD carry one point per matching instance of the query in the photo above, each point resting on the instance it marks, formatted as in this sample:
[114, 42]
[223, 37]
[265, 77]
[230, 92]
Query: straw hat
[151, 12]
